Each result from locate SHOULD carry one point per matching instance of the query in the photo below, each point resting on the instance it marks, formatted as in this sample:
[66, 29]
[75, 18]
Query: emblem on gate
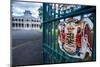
[74, 38]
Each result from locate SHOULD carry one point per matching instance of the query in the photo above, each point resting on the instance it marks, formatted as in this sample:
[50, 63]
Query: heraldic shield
[75, 37]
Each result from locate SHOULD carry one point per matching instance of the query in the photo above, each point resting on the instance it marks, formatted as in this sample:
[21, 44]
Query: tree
[41, 13]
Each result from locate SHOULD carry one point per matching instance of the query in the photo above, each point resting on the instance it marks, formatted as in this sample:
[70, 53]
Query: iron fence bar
[44, 18]
[54, 27]
[94, 38]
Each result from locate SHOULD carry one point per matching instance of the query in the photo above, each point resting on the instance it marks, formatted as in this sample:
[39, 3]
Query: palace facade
[26, 22]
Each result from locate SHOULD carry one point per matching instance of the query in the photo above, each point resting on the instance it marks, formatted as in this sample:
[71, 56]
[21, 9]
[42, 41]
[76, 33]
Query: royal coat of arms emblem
[75, 37]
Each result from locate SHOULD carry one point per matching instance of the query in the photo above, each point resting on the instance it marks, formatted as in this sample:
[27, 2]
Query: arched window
[12, 19]
[37, 20]
[13, 24]
[16, 24]
[32, 20]
[22, 20]
[15, 19]
[32, 25]
[19, 24]
[27, 20]
[19, 20]
[27, 25]
[37, 25]
[22, 25]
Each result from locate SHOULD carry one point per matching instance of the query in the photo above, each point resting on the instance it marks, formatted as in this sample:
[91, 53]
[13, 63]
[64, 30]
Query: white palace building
[26, 22]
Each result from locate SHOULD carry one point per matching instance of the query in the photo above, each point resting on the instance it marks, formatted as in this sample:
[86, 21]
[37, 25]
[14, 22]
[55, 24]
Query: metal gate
[51, 18]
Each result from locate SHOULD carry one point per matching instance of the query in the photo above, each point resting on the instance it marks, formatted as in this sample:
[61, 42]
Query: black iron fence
[51, 18]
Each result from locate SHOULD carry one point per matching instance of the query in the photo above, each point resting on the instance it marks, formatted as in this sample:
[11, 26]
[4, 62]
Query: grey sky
[19, 7]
